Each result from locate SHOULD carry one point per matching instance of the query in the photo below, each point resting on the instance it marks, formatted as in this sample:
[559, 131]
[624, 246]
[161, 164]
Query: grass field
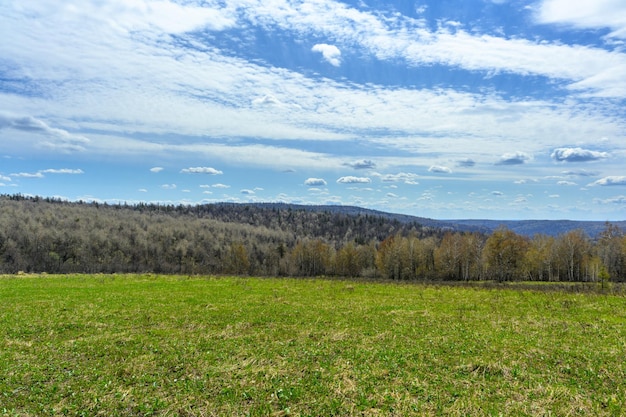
[155, 345]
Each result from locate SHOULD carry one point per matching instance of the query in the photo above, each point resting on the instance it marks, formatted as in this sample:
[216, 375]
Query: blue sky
[501, 109]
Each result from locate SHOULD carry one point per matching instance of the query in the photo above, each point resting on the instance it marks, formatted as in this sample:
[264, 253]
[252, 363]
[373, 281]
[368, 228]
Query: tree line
[55, 236]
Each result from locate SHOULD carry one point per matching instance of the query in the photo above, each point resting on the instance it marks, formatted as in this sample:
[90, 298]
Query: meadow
[202, 346]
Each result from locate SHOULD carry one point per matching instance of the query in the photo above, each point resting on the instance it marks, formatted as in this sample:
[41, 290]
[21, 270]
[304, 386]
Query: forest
[47, 235]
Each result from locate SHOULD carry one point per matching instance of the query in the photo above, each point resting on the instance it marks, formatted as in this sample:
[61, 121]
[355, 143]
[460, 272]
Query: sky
[493, 109]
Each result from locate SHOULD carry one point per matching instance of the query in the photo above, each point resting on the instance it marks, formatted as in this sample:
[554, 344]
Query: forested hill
[266, 213]
[55, 236]
[51, 235]
[527, 228]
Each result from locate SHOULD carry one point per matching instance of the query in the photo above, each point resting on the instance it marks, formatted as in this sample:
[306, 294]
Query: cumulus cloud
[315, 182]
[439, 169]
[566, 183]
[220, 186]
[331, 53]
[168, 186]
[354, 180]
[201, 170]
[497, 193]
[577, 155]
[610, 180]
[156, 169]
[247, 192]
[516, 158]
[361, 164]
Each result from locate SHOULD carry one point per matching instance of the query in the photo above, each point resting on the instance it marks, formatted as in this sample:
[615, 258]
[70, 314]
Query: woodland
[47, 235]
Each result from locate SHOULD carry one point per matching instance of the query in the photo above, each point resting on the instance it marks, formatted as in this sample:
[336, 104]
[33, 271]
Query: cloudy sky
[501, 109]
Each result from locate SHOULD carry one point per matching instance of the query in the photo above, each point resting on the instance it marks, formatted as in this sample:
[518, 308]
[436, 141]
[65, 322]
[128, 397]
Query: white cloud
[585, 14]
[516, 158]
[611, 180]
[566, 183]
[331, 53]
[156, 169]
[201, 170]
[267, 100]
[220, 186]
[577, 155]
[28, 175]
[580, 173]
[620, 199]
[406, 177]
[63, 171]
[361, 164]
[354, 180]
[247, 192]
[168, 186]
[439, 169]
[315, 182]
[137, 15]
[57, 139]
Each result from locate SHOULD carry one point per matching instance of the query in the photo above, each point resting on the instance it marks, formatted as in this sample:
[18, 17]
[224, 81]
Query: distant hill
[521, 227]
[360, 211]
[546, 227]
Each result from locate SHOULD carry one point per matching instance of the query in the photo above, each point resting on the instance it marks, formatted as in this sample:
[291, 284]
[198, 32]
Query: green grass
[155, 345]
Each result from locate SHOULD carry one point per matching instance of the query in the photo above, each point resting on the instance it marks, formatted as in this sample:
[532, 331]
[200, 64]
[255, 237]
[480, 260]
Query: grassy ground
[147, 345]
